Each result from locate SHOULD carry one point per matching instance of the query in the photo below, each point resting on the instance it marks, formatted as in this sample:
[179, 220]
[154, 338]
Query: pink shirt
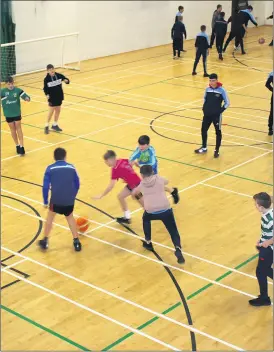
[154, 195]
[124, 170]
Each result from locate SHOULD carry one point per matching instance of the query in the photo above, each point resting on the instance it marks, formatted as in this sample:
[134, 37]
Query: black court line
[172, 277]
[192, 118]
[17, 271]
[37, 232]
[10, 284]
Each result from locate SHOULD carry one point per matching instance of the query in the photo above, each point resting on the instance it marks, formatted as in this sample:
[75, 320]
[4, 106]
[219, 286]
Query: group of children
[150, 192]
[239, 22]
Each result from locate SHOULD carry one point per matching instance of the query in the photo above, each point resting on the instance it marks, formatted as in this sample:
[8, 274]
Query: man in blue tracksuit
[64, 182]
[202, 46]
[246, 16]
[213, 108]
[269, 85]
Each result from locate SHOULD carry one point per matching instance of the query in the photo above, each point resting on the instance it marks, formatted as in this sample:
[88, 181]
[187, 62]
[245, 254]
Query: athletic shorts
[13, 119]
[138, 196]
[55, 102]
[61, 209]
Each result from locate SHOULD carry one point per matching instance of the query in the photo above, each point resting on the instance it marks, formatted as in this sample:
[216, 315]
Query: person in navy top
[63, 181]
[213, 108]
[269, 85]
[202, 46]
[178, 32]
[220, 30]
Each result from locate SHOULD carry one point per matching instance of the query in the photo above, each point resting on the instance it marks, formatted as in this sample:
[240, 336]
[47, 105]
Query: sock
[46, 124]
[127, 214]
[20, 146]
[17, 145]
[54, 123]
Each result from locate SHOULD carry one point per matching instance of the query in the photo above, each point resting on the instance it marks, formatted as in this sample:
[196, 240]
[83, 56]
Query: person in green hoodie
[11, 104]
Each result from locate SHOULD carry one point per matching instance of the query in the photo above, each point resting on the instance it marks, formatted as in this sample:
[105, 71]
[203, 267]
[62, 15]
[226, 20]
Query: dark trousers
[178, 45]
[270, 119]
[264, 269]
[168, 219]
[212, 38]
[217, 122]
[200, 53]
[238, 37]
[242, 34]
[220, 42]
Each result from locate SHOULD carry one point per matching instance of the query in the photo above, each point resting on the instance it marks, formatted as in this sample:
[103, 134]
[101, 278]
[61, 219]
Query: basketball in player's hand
[261, 41]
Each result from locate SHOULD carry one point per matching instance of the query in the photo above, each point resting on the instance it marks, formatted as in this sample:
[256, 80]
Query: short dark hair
[263, 199]
[213, 76]
[60, 154]
[146, 170]
[180, 8]
[249, 7]
[109, 155]
[9, 80]
[203, 28]
[50, 66]
[222, 14]
[218, 6]
[144, 140]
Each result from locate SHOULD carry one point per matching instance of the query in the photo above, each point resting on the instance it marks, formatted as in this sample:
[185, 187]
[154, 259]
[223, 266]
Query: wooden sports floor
[114, 295]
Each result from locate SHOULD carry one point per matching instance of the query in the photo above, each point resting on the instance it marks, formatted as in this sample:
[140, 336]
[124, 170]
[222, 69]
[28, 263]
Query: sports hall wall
[109, 27]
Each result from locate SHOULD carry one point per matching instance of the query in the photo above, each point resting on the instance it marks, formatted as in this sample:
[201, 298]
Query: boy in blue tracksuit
[202, 45]
[64, 182]
[145, 154]
[213, 108]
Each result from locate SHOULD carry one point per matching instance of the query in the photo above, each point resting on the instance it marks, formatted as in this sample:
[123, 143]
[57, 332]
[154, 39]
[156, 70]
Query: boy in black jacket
[55, 96]
[220, 30]
[178, 32]
[202, 46]
[269, 85]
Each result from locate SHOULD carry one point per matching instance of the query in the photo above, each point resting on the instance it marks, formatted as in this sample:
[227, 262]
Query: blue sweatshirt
[64, 182]
[213, 100]
[145, 157]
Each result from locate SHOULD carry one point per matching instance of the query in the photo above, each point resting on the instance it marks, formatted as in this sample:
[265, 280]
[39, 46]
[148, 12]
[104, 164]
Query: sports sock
[46, 124]
[54, 123]
[127, 214]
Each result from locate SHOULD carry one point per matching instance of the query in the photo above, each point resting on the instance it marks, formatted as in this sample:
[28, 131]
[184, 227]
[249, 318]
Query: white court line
[138, 332]
[162, 263]
[154, 242]
[160, 127]
[33, 139]
[228, 190]
[122, 299]
[70, 139]
[12, 265]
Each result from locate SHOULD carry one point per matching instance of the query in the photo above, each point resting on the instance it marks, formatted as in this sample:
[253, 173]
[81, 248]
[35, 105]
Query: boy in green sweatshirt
[11, 104]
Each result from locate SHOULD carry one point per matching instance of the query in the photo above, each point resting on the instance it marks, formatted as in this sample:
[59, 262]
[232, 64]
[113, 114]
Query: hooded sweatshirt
[213, 100]
[154, 195]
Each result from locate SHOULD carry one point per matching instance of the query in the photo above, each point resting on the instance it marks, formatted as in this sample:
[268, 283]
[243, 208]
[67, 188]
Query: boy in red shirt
[121, 169]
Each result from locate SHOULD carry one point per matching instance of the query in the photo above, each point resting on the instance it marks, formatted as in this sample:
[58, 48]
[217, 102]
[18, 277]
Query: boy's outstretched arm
[107, 190]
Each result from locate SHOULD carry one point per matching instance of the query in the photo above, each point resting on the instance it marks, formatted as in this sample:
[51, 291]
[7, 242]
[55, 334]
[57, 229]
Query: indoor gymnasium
[136, 150]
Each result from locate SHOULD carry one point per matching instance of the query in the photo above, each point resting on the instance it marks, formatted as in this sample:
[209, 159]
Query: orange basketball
[261, 41]
[82, 224]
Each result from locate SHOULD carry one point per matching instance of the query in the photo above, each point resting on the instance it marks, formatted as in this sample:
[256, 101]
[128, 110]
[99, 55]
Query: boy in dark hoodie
[55, 96]
[220, 30]
[202, 46]
[213, 108]
[178, 32]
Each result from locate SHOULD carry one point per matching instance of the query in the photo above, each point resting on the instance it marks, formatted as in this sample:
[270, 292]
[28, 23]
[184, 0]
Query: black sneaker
[175, 196]
[221, 57]
[260, 301]
[270, 132]
[243, 53]
[18, 149]
[22, 151]
[56, 128]
[148, 246]
[46, 130]
[206, 75]
[270, 44]
[200, 150]
[77, 244]
[216, 154]
[44, 243]
[123, 220]
[179, 255]
[194, 73]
